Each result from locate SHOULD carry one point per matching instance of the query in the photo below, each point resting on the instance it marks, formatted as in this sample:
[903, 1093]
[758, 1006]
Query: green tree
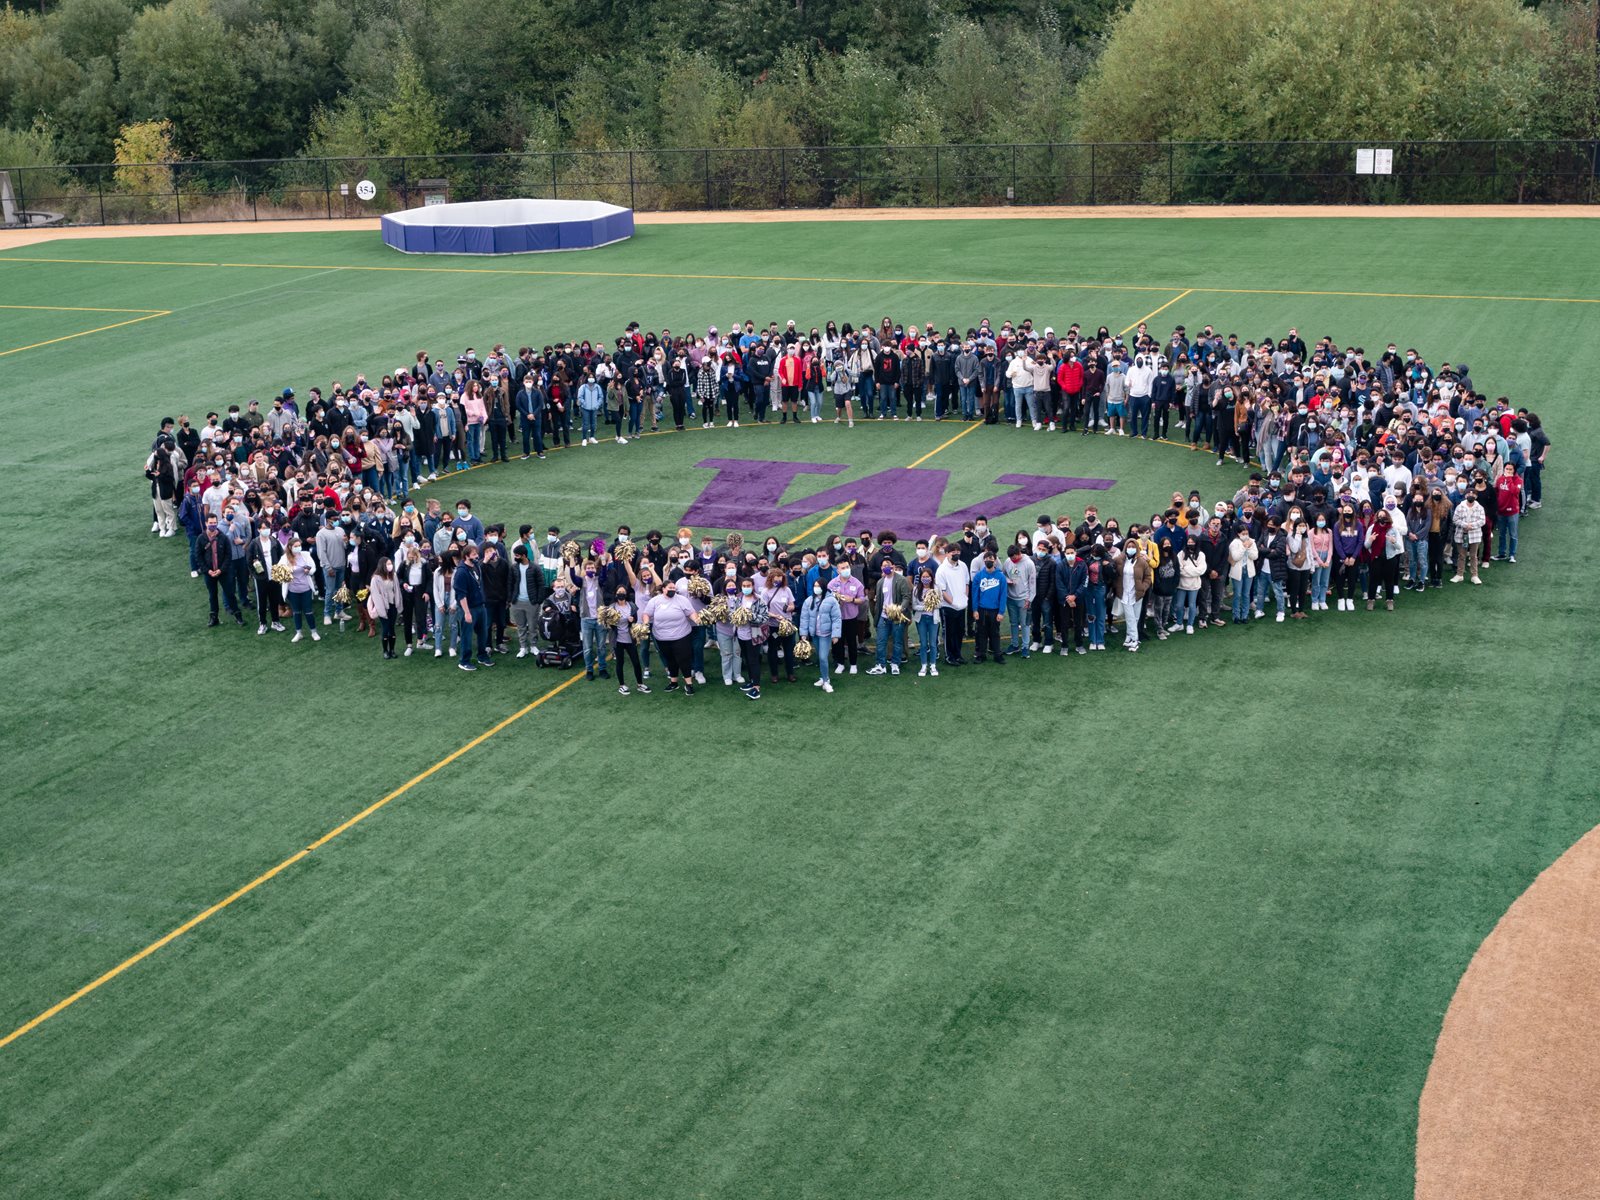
[179, 64]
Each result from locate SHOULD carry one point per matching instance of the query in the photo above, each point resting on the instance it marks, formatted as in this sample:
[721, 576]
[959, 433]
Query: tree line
[246, 79]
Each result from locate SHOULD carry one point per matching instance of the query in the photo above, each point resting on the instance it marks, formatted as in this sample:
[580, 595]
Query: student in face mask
[821, 622]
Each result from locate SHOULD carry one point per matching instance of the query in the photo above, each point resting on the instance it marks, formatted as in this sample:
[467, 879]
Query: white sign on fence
[1383, 162]
[1363, 162]
[366, 190]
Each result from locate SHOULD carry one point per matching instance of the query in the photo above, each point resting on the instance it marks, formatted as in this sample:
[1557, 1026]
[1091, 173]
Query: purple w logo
[747, 494]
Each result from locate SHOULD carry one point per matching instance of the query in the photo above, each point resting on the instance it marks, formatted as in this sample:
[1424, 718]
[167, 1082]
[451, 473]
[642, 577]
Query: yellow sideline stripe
[207, 914]
[70, 308]
[942, 445]
[149, 316]
[986, 283]
[1162, 309]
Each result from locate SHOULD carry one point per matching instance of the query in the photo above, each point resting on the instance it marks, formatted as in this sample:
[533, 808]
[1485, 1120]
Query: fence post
[555, 186]
[1091, 172]
[783, 177]
[101, 184]
[327, 187]
[177, 196]
[707, 155]
[1170, 197]
[1014, 198]
[633, 198]
[936, 177]
[861, 183]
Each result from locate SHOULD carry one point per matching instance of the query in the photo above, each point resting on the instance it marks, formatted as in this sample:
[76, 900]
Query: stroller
[560, 643]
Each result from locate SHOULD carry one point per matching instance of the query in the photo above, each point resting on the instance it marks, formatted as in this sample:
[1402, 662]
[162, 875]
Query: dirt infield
[13, 238]
[1511, 1108]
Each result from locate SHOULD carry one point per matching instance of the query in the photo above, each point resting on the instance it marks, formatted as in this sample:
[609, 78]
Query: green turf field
[1180, 924]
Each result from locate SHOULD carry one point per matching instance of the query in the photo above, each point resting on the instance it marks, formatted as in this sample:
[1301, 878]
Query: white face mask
[844, 572]
[683, 541]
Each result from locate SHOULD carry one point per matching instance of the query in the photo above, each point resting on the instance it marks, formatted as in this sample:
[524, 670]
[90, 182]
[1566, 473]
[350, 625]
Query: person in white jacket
[1243, 553]
[444, 604]
[954, 581]
[1020, 376]
[1141, 378]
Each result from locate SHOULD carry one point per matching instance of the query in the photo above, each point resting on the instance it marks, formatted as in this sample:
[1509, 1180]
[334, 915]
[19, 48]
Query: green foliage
[143, 151]
[178, 64]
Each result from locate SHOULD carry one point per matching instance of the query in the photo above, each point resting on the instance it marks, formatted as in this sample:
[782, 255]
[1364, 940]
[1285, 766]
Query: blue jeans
[1097, 614]
[1319, 583]
[927, 639]
[464, 631]
[1017, 618]
[475, 443]
[594, 645]
[300, 606]
[1508, 535]
[1024, 401]
[1417, 558]
[1188, 606]
[194, 551]
[332, 580]
[588, 421]
[887, 400]
[444, 620]
[697, 649]
[1242, 588]
[1139, 422]
[1261, 589]
[635, 411]
[969, 400]
[814, 399]
[891, 638]
[823, 647]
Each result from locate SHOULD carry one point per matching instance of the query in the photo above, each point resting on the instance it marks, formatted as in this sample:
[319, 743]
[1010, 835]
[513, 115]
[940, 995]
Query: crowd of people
[1376, 476]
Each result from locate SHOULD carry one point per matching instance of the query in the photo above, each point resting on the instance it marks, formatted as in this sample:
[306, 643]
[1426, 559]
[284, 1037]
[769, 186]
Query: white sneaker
[699, 677]
[877, 670]
[1037, 427]
[260, 629]
[327, 620]
[828, 687]
[1050, 649]
[408, 651]
[296, 636]
[922, 671]
[819, 683]
[1280, 615]
[1457, 578]
[647, 672]
[194, 574]
[1034, 648]
[155, 526]
[934, 671]
[1188, 629]
[315, 636]
[438, 653]
[276, 627]
[852, 668]
[894, 668]
[521, 653]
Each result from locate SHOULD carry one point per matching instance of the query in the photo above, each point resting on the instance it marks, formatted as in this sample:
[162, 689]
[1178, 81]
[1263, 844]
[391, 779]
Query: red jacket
[1070, 376]
[1508, 495]
[790, 370]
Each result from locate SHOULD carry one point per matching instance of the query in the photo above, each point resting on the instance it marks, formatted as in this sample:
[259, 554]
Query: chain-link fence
[1153, 173]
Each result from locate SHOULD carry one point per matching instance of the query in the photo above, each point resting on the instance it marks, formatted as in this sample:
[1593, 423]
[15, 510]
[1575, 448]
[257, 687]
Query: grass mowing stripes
[1180, 924]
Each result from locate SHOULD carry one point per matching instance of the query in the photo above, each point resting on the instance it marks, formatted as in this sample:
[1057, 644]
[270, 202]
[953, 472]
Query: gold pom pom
[342, 596]
[628, 550]
[640, 631]
[803, 650]
[785, 627]
[571, 551]
[699, 587]
[894, 612]
[281, 571]
[930, 601]
[361, 595]
[718, 610]
[609, 616]
[740, 615]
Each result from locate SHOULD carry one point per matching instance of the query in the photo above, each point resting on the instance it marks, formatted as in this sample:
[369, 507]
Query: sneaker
[934, 672]
[194, 574]
[922, 671]
[688, 690]
[622, 689]
[1034, 646]
[408, 651]
[1513, 558]
[1457, 578]
[521, 652]
[1050, 649]
[276, 627]
[646, 674]
[484, 661]
[672, 685]
[643, 689]
[828, 687]
[852, 668]
[1280, 616]
[1389, 604]
[877, 670]
[1081, 650]
[1475, 579]
[296, 636]
[752, 693]
[699, 677]
[466, 666]
[894, 668]
[1188, 629]
[1371, 604]
[819, 683]
[589, 675]
[260, 629]
[438, 653]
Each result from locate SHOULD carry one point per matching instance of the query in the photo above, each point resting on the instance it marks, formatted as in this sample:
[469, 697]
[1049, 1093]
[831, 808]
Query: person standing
[302, 569]
[161, 471]
[586, 586]
[1508, 510]
[954, 581]
[474, 615]
[1022, 578]
[1468, 521]
[822, 622]
[526, 591]
[1243, 554]
[780, 603]
[892, 588]
[852, 595]
[623, 648]
[412, 573]
[383, 603]
[988, 599]
[216, 567]
[265, 552]
[1387, 546]
[670, 616]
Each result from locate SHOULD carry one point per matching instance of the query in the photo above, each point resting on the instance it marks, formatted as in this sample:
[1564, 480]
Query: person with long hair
[384, 603]
[298, 590]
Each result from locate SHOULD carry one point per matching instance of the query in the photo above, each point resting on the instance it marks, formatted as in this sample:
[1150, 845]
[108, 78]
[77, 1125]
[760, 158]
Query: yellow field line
[942, 445]
[65, 308]
[1162, 309]
[207, 914]
[827, 520]
[1101, 287]
[151, 316]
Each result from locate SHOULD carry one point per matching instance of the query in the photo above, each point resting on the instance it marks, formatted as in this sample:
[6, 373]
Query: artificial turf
[1176, 924]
